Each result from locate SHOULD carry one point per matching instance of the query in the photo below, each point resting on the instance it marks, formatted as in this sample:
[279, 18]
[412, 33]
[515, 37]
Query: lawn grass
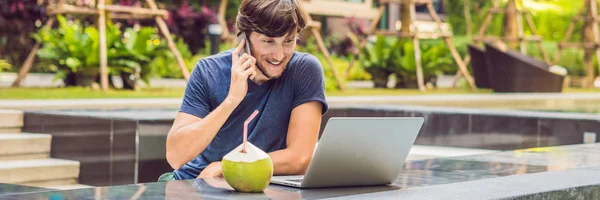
[87, 93]
[392, 92]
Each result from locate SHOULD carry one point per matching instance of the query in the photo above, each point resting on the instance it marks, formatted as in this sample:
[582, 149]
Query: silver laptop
[358, 151]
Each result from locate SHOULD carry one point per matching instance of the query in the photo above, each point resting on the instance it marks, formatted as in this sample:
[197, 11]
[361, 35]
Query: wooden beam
[103, 53]
[532, 38]
[52, 10]
[134, 10]
[578, 45]
[461, 65]
[488, 19]
[68, 9]
[395, 33]
[375, 21]
[221, 19]
[522, 43]
[361, 10]
[313, 24]
[416, 46]
[503, 11]
[486, 38]
[325, 52]
[130, 16]
[162, 25]
[315, 30]
[29, 61]
[408, 2]
[533, 29]
[590, 31]
[458, 74]
[596, 31]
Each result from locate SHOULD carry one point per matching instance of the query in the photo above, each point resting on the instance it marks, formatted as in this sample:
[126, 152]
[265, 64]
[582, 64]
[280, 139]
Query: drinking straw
[246, 128]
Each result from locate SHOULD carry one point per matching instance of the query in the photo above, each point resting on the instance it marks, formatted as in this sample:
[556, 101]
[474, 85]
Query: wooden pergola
[116, 12]
[513, 31]
[590, 40]
[409, 30]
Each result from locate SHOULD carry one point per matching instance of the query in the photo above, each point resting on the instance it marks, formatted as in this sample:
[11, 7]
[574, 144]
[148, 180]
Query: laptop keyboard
[299, 180]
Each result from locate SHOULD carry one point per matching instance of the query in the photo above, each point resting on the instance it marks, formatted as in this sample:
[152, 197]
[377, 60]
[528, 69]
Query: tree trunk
[511, 30]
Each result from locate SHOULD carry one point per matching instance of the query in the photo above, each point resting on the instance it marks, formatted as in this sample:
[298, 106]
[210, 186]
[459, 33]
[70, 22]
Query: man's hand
[211, 171]
[242, 68]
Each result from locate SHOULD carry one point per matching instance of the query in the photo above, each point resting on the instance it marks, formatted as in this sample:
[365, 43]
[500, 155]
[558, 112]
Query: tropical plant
[131, 56]
[4, 65]
[378, 59]
[165, 64]
[73, 51]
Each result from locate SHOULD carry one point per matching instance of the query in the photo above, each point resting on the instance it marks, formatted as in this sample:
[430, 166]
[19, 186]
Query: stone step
[11, 119]
[69, 187]
[10, 130]
[20, 146]
[39, 172]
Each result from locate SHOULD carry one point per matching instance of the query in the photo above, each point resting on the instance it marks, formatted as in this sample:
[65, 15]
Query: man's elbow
[173, 161]
[302, 164]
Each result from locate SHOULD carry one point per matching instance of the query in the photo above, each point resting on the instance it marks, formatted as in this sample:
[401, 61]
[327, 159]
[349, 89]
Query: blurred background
[138, 55]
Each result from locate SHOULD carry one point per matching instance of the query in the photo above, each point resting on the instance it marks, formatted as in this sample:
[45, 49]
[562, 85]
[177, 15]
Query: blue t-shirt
[301, 82]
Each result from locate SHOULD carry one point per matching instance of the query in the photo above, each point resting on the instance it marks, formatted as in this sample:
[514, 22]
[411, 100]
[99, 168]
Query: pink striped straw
[246, 128]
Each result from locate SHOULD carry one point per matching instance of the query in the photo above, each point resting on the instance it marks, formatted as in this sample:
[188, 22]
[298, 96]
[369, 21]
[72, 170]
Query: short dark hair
[274, 18]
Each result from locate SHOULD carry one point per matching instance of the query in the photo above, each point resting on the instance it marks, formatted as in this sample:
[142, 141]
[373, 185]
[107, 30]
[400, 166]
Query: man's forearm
[286, 162]
[187, 142]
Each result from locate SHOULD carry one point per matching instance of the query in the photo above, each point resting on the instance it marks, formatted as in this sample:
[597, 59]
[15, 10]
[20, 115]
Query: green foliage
[380, 53]
[70, 48]
[4, 65]
[398, 56]
[135, 51]
[435, 59]
[552, 18]
[570, 58]
[341, 64]
[165, 65]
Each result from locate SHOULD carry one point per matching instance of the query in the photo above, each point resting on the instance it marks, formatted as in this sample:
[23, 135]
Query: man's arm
[303, 132]
[191, 131]
[190, 135]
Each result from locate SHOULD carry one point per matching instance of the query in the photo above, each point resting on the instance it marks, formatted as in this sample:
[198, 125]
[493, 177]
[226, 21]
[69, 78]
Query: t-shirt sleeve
[196, 99]
[310, 83]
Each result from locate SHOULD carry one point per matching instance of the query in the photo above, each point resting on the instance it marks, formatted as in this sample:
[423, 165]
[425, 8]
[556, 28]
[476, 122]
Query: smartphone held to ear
[246, 48]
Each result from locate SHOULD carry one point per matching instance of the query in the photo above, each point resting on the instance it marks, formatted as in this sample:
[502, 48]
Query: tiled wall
[105, 148]
[483, 130]
[153, 163]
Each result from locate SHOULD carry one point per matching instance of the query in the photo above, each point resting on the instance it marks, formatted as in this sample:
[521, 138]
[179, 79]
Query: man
[287, 88]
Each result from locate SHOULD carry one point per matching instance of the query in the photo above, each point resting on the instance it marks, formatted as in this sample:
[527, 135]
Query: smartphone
[246, 48]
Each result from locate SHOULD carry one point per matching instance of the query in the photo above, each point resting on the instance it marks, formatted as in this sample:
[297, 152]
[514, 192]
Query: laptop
[358, 151]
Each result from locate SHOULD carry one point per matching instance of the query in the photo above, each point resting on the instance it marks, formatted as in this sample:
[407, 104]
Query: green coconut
[247, 172]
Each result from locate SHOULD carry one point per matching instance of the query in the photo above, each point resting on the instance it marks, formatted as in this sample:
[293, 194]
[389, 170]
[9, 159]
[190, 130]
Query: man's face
[272, 53]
